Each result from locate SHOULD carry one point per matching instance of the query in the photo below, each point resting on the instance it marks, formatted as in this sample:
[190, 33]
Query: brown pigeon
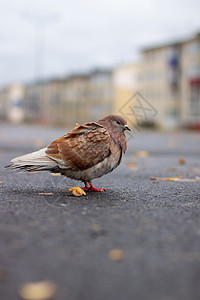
[86, 152]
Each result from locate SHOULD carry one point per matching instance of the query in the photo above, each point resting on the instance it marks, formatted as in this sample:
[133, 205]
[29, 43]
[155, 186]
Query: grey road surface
[67, 240]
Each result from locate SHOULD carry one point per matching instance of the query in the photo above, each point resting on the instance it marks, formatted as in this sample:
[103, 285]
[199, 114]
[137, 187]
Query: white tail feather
[35, 158]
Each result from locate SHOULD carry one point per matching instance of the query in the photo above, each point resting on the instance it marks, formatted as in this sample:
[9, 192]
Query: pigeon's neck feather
[118, 137]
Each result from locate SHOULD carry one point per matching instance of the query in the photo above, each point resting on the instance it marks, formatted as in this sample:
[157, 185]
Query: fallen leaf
[131, 165]
[181, 161]
[95, 227]
[46, 194]
[180, 179]
[116, 254]
[40, 290]
[1, 181]
[77, 191]
[174, 178]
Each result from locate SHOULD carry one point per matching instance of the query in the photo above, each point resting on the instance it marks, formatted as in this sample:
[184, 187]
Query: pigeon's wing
[81, 148]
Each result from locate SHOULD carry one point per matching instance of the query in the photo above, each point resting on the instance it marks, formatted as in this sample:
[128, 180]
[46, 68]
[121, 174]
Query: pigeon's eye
[118, 122]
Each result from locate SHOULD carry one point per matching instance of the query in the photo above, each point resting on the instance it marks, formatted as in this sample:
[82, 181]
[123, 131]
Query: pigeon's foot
[87, 187]
[97, 189]
[90, 187]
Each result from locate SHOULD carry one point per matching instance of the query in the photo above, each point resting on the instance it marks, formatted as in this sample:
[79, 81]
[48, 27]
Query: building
[43, 102]
[100, 95]
[33, 102]
[171, 82]
[73, 96]
[11, 103]
[126, 85]
[190, 82]
[79, 97]
[162, 89]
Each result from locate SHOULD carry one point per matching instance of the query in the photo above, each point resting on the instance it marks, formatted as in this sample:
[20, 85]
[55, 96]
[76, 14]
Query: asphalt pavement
[154, 225]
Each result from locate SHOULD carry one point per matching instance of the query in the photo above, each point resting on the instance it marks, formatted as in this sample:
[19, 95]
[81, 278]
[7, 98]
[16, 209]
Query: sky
[41, 39]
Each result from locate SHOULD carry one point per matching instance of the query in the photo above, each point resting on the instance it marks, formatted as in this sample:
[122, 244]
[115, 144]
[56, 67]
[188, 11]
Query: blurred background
[72, 61]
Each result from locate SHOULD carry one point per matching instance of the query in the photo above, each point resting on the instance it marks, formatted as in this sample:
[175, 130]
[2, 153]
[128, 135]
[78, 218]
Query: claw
[90, 187]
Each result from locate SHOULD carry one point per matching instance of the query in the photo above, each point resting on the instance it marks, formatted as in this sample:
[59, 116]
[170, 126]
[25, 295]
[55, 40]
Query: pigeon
[86, 152]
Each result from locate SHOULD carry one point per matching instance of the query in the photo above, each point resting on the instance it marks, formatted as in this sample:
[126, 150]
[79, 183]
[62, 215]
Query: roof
[171, 44]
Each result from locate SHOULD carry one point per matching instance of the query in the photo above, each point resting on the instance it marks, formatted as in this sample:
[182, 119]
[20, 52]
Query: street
[48, 234]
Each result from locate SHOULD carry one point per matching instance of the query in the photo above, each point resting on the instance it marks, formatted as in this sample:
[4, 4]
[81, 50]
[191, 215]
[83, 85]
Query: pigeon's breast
[100, 169]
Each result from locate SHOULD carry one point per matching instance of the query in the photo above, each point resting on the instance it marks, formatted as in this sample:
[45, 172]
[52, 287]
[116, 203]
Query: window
[195, 100]
[194, 48]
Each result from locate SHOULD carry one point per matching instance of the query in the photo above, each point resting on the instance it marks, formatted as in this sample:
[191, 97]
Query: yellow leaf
[116, 254]
[180, 179]
[181, 161]
[95, 227]
[173, 178]
[77, 191]
[131, 165]
[40, 290]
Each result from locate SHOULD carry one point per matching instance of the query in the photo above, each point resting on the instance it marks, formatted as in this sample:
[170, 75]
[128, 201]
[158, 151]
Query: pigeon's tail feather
[35, 161]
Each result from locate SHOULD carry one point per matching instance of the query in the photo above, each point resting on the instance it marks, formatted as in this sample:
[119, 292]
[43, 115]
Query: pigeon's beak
[126, 127]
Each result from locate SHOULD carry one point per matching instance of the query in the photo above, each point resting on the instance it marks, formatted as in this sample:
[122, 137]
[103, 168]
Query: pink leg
[87, 187]
[92, 188]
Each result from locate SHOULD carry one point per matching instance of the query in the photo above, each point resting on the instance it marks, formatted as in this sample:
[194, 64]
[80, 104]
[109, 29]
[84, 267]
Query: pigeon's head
[118, 122]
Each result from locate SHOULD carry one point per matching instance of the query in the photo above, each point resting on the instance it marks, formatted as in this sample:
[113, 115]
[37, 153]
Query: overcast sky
[80, 35]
